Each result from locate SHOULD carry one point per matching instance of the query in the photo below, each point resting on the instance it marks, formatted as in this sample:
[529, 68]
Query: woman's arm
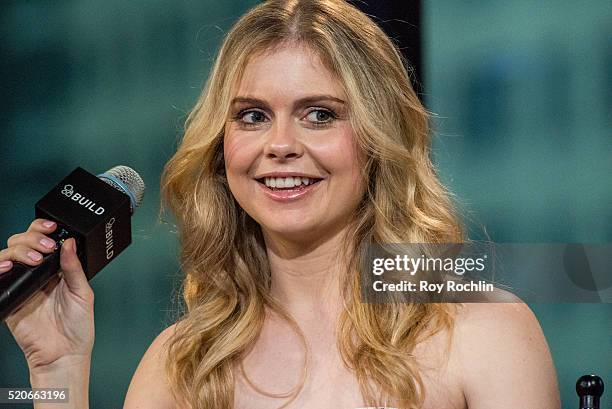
[504, 359]
[149, 388]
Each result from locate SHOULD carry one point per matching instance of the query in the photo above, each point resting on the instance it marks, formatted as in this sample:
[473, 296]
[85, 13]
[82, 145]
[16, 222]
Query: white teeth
[286, 182]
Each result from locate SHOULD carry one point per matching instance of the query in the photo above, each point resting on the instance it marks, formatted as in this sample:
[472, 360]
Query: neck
[305, 276]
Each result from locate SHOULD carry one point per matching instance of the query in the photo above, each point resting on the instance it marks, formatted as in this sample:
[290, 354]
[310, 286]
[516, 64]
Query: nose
[282, 143]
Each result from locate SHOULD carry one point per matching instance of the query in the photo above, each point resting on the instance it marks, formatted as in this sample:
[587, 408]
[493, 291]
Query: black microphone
[95, 211]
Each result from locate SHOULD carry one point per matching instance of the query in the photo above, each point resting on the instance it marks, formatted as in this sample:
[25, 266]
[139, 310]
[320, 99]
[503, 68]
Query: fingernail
[48, 223]
[5, 264]
[68, 246]
[48, 243]
[34, 255]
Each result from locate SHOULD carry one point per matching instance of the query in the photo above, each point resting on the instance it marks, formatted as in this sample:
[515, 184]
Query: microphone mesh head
[126, 180]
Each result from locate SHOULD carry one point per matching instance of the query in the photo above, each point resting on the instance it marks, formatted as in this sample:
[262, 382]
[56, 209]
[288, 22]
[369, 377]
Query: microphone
[95, 211]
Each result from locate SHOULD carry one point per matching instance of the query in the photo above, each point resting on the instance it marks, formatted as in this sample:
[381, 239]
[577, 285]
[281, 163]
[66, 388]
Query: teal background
[521, 93]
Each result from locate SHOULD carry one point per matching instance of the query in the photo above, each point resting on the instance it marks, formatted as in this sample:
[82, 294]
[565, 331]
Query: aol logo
[68, 190]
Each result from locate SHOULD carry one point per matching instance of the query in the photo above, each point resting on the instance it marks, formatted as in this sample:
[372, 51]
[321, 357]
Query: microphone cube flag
[96, 214]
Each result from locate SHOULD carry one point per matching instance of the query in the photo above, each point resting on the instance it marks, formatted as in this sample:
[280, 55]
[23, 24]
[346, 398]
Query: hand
[54, 328]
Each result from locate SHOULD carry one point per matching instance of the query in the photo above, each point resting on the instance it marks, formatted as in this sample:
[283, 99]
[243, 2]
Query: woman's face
[290, 151]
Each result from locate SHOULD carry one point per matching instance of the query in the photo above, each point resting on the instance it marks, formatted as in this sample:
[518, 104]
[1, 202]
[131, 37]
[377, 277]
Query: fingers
[37, 230]
[42, 226]
[72, 271]
[28, 247]
[21, 253]
[33, 240]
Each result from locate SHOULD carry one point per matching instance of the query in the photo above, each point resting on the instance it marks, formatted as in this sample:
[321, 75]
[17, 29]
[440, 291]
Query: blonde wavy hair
[227, 284]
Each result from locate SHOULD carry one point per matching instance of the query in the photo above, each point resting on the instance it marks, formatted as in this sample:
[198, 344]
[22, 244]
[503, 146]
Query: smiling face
[290, 151]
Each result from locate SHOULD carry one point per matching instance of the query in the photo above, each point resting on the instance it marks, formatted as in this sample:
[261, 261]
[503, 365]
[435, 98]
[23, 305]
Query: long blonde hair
[227, 284]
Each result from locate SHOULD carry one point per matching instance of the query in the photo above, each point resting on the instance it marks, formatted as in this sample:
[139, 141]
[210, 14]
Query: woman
[308, 143]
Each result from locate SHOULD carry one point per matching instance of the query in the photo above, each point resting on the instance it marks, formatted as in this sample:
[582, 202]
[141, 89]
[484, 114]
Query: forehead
[288, 71]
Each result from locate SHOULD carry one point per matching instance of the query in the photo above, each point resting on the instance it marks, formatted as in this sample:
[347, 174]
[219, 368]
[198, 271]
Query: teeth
[289, 182]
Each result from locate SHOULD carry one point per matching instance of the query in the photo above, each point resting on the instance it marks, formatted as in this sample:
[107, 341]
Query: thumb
[72, 270]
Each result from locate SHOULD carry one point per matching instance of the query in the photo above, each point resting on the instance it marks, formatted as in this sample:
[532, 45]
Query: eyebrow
[302, 102]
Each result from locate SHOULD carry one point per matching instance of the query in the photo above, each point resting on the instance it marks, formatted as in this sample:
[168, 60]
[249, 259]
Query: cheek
[339, 155]
[239, 153]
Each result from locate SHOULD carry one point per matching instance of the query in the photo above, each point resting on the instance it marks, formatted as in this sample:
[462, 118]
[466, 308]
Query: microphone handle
[22, 281]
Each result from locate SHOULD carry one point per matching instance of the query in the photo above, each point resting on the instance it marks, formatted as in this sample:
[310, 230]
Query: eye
[251, 117]
[321, 116]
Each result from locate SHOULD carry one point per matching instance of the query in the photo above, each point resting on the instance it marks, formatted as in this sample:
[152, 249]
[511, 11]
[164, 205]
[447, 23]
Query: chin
[293, 227]
[293, 232]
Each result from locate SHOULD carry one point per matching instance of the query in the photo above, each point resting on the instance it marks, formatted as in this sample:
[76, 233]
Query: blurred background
[522, 97]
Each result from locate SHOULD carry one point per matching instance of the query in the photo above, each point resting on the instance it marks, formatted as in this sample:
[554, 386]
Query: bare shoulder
[149, 388]
[503, 357]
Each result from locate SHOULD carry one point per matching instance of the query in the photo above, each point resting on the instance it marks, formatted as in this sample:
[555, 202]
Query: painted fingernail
[48, 223]
[48, 243]
[34, 255]
[5, 264]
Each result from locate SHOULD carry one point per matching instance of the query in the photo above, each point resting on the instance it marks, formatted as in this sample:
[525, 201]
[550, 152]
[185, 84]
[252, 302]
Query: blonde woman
[307, 144]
